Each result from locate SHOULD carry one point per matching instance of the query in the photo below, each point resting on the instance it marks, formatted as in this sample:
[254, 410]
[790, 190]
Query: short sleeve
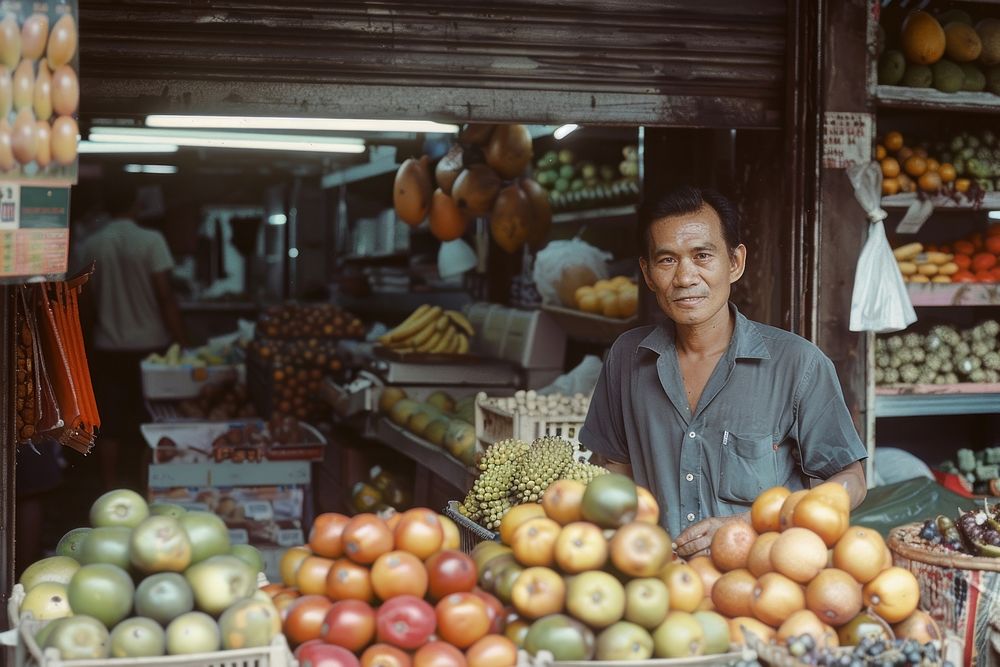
[160, 258]
[828, 441]
[603, 431]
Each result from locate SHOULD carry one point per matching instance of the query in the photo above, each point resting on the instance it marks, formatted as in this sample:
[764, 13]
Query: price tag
[258, 510]
[918, 213]
[290, 537]
[239, 536]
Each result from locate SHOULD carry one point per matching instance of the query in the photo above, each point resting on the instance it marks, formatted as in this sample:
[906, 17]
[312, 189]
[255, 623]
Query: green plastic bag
[886, 507]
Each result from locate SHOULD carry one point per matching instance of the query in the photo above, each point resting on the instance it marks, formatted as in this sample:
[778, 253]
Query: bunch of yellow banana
[431, 329]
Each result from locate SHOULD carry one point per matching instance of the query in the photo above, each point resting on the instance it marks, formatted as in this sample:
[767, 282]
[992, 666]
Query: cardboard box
[238, 441]
[185, 381]
[269, 515]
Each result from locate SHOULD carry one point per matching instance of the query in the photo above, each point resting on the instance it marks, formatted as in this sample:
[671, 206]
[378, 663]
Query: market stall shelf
[954, 294]
[610, 214]
[991, 200]
[901, 97]
[937, 399]
[589, 327]
[429, 459]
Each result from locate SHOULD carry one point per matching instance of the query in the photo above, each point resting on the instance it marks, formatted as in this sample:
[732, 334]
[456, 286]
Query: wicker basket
[470, 533]
[962, 593]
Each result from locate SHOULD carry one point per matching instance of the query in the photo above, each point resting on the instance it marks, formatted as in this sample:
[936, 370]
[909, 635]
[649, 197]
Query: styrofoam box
[160, 381]
[528, 338]
[194, 439]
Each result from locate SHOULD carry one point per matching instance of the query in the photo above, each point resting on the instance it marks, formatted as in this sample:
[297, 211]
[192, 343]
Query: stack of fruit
[574, 184]
[41, 91]
[973, 53]
[481, 175]
[218, 401]
[322, 320]
[439, 419]
[512, 472]
[589, 574]
[974, 259]
[943, 356]
[617, 297]
[965, 166]
[799, 568]
[196, 593]
[285, 375]
[533, 404]
[382, 491]
[592, 559]
[394, 592]
[431, 329]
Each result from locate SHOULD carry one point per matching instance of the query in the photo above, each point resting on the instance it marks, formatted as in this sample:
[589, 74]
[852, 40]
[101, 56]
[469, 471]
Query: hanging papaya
[475, 190]
[447, 222]
[510, 220]
[448, 168]
[541, 211]
[411, 191]
[509, 150]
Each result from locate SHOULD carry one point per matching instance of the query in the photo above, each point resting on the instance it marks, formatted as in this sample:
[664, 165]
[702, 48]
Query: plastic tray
[159, 381]
[589, 327]
[277, 654]
[470, 533]
[494, 424]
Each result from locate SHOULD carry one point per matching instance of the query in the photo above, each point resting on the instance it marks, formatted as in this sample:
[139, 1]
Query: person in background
[709, 409]
[134, 313]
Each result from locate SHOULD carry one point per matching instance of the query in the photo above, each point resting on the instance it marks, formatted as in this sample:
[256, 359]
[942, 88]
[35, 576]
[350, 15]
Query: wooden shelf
[607, 214]
[433, 459]
[937, 399]
[954, 294]
[928, 99]
[943, 203]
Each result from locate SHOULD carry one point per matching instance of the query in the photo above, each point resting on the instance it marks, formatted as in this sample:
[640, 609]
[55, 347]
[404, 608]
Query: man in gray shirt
[710, 408]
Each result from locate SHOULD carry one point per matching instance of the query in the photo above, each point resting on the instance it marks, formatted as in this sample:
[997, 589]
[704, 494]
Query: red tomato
[383, 655]
[983, 261]
[439, 654]
[366, 537]
[462, 619]
[326, 533]
[305, 618]
[405, 622]
[984, 277]
[399, 573]
[498, 614]
[963, 276]
[310, 578]
[349, 623]
[349, 581]
[492, 651]
[419, 531]
[325, 655]
[450, 571]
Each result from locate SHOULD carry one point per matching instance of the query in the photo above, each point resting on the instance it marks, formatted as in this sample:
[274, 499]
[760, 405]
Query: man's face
[689, 268]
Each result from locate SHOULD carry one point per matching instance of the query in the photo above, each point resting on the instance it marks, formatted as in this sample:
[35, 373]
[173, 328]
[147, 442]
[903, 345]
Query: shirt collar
[747, 342]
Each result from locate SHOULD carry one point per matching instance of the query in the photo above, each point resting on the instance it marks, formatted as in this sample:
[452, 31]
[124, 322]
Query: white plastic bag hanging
[880, 302]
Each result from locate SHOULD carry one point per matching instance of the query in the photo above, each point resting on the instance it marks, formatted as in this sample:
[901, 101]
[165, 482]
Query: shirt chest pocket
[748, 466]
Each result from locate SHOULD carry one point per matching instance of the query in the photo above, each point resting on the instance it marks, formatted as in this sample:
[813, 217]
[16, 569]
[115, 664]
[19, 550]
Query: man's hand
[696, 539]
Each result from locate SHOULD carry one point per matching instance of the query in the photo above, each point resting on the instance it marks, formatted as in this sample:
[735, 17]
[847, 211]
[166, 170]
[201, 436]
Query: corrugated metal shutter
[655, 62]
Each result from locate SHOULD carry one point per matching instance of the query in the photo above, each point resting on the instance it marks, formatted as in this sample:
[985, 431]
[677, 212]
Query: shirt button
[691, 434]
[690, 517]
[689, 477]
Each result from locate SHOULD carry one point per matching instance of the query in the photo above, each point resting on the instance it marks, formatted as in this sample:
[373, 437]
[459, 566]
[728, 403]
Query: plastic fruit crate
[276, 654]
[470, 533]
[494, 425]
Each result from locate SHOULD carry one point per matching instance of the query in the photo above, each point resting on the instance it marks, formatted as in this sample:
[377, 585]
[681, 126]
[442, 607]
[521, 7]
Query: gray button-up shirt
[772, 413]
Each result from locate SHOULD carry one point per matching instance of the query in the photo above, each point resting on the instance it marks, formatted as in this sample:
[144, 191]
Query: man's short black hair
[119, 196]
[682, 201]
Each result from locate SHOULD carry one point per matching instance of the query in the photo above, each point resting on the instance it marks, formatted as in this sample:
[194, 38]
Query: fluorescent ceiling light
[110, 147]
[277, 219]
[564, 131]
[994, 215]
[151, 169]
[288, 123]
[215, 139]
